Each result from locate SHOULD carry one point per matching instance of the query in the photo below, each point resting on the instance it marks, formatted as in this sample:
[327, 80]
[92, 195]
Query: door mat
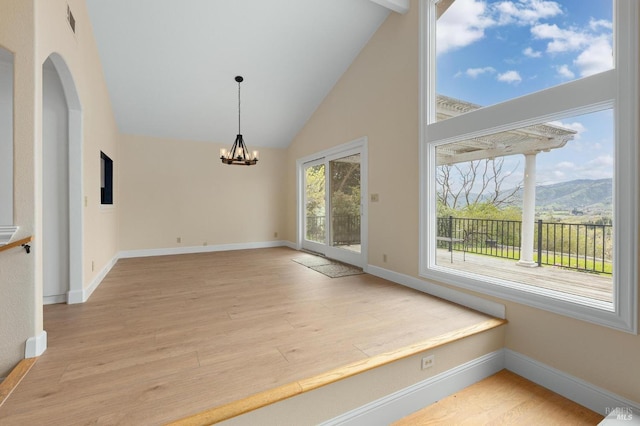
[328, 267]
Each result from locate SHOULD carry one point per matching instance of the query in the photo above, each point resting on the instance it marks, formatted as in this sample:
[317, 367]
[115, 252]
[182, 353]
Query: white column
[528, 211]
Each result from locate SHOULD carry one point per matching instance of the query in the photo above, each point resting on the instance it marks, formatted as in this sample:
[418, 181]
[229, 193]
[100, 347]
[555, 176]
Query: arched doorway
[61, 184]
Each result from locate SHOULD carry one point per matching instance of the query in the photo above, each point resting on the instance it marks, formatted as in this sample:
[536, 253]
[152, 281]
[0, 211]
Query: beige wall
[18, 312]
[377, 97]
[177, 188]
[20, 274]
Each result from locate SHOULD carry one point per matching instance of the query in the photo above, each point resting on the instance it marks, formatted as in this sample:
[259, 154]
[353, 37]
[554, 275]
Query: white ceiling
[170, 65]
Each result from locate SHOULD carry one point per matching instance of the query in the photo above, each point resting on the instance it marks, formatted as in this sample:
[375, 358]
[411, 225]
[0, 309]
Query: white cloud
[531, 53]
[605, 161]
[511, 77]
[462, 24]
[475, 72]
[596, 58]
[565, 72]
[525, 12]
[567, 165]
[576, 126]
[561, 40]
[595, 25]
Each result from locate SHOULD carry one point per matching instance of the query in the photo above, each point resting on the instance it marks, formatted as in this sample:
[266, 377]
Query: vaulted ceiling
[170, 65]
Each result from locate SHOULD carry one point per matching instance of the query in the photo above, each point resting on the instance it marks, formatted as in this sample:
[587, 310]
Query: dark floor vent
[71, 19]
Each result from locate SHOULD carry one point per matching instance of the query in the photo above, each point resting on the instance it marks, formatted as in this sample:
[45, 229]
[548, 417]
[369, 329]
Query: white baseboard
[52, 300]
[200, 249]
[479, 304]
[81, 296]
[36, 345]
[584, 393]
[406, 401]
[413, 398]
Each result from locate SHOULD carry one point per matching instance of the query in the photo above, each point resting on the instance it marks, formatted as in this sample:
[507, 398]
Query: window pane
[345, 202]
[496, 50]
[314, 181]
[539, 196]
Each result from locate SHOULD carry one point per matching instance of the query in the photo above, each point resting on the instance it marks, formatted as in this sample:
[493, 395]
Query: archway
[62, 184]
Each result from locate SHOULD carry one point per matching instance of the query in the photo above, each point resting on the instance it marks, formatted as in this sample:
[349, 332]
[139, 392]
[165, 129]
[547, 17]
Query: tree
[314, 190]
[474, 183]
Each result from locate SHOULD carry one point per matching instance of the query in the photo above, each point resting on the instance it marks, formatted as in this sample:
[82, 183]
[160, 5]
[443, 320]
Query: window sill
[577, 307]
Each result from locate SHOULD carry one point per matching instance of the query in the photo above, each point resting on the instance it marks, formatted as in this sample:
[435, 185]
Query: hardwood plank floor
[167, 337]
[503, 399]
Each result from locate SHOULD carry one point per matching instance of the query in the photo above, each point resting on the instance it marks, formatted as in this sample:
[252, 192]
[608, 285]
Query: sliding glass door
[333, 206]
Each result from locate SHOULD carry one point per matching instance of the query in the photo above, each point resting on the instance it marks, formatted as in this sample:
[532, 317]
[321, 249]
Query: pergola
[528, 141]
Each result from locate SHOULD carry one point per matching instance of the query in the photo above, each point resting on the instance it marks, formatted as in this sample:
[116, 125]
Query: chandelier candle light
[239, 153]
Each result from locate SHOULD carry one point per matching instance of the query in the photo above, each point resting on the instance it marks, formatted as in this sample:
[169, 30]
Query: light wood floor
[503, 399]
[166, 337]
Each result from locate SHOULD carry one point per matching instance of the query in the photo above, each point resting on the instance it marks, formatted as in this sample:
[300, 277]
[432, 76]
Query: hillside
[579, 194]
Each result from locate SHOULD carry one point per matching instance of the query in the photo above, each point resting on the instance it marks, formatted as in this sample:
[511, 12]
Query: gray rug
[328, 267]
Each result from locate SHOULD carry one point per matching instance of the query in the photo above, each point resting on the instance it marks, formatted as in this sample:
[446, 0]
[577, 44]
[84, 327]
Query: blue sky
[493, 50]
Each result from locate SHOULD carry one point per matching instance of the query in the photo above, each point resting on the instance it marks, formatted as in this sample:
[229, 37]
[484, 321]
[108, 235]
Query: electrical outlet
[428, 361]
[179, 239]
[384, 258]
[375, 198]
[205, 243]
[275, 235]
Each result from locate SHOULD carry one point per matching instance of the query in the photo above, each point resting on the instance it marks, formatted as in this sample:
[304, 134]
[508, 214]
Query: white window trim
[360, 146]
[616, 88]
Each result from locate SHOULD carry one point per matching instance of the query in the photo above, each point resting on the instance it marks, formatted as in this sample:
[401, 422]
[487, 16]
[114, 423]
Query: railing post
[539, 242]
[450, 233]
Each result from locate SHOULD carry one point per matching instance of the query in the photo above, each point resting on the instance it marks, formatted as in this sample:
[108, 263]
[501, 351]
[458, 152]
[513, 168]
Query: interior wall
[99, 130]
[21, 275]
[377, 97]
[174, 189]
[19, 318]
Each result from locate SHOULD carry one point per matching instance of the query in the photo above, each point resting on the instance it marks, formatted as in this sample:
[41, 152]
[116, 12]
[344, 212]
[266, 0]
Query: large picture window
[529, 152]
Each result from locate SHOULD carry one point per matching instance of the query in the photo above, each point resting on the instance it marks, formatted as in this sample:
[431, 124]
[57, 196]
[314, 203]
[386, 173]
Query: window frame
[617, 89]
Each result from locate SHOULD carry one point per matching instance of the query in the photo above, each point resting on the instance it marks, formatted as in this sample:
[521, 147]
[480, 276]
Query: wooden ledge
[259, 400]
[15, 377]
[16, 243]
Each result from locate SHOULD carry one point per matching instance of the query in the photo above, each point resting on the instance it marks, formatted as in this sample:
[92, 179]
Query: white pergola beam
[398, 6]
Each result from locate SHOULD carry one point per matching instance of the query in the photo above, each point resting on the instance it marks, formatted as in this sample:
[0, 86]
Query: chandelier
[239, 153]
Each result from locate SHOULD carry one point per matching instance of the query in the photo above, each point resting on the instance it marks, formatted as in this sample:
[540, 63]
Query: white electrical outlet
[428, 361]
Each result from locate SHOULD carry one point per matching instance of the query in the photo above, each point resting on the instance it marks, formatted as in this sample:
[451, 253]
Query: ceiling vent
[71, 19]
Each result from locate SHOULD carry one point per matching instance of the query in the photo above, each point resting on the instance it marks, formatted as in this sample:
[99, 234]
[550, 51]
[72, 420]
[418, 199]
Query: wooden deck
[593, 286]
[167, 337]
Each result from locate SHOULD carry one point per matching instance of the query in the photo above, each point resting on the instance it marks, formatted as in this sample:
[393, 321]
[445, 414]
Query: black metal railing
[585, 247]
[345, 229]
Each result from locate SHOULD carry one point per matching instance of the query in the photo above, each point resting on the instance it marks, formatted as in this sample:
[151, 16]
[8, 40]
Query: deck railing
[585, 247]
[345, 229]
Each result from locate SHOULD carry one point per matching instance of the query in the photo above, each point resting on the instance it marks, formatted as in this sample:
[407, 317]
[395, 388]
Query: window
[7, 229]
[6, 137]
[536, 173]
[106, 179]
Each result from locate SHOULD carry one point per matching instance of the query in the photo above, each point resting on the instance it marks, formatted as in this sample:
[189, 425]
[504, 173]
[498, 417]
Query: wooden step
[15, 377]
[280, 393]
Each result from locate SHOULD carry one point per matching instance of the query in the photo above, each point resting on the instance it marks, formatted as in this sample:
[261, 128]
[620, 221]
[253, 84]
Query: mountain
[578, 196]
[581, 194]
